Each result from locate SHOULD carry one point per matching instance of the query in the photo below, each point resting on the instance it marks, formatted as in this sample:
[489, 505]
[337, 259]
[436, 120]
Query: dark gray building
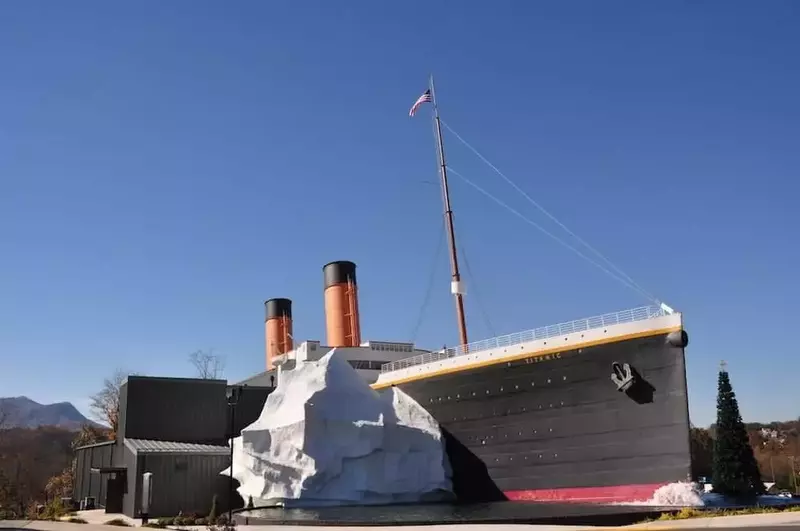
[178, 430]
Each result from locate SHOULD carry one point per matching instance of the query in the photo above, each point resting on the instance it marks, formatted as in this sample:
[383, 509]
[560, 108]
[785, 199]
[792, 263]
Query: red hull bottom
[613, 494]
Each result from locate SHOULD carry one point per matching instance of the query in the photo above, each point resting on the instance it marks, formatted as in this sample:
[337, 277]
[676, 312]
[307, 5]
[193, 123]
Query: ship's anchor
[622, 376]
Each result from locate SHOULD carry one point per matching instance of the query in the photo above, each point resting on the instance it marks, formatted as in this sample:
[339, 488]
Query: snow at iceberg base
[325, 437]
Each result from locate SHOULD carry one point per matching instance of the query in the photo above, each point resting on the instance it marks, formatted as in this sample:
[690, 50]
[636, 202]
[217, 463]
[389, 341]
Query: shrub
[118, 522]
[54, 510]
[212, 514]
[76, 520]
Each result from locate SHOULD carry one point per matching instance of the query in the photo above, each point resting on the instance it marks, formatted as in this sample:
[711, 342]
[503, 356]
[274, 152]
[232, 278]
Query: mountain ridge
[23, 412]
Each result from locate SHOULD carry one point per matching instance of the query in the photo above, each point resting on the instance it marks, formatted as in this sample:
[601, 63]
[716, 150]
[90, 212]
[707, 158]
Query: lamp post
[232, 394]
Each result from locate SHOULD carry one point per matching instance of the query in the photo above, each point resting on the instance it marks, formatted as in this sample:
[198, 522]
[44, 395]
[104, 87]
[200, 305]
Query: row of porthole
[524, 458]
[505, 436]
[474, 393]
[523, 409]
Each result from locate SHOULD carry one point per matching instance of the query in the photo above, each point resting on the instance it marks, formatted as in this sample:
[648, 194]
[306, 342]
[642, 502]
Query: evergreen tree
[735, 470]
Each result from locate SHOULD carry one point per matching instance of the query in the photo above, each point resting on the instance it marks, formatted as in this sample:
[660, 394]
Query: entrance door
[114, 492]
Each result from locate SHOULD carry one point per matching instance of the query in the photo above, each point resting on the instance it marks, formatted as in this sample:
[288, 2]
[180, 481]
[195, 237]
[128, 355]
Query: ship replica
[591, 410]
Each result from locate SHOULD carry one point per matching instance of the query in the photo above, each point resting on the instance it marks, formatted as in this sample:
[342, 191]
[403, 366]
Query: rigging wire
[474, 284]
[621, 273]
[431, 280]
[551, 235]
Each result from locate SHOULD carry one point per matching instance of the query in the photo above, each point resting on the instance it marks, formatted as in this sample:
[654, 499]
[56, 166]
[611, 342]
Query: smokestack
[278, 328]
[341, 304]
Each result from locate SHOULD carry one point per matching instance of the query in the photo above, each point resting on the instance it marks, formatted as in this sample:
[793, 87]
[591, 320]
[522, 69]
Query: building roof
[146, 446]
[95, 445]
[174, 379]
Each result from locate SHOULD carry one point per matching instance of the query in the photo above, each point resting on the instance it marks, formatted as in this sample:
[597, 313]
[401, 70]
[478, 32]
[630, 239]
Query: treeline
[776, 446]
[36, 465]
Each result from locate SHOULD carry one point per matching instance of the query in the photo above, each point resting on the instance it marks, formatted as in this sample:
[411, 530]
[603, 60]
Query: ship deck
[545, 332]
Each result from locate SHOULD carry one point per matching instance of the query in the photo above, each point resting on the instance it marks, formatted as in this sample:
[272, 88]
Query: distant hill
[22, 412]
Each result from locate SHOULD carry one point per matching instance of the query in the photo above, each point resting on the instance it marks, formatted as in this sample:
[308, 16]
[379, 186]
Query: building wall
[123, 413]
[175, 409]
[130, 500]
[86, 482]
[181, 483]
[248, 409]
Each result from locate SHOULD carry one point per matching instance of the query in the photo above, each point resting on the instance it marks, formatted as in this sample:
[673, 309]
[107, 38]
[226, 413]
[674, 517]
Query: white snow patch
[683, 494]
[679, 494]
[325, 437]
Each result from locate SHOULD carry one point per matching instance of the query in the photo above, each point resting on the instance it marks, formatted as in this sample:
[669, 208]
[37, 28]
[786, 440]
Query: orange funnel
[341, 304]
[278, 328]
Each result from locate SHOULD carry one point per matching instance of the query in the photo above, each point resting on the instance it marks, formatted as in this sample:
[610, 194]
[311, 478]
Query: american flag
[425, 98]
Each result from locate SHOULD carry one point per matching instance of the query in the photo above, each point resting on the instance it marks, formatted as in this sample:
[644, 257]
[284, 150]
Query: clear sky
[165, 167]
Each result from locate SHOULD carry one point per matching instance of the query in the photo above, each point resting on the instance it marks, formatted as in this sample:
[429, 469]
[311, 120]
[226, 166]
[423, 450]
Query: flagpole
[455, 286]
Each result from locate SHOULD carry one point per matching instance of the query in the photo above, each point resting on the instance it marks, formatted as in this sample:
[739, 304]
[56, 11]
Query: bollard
[147, 495]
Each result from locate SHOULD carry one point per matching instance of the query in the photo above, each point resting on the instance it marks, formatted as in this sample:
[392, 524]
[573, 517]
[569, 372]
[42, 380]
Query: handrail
[579, 325]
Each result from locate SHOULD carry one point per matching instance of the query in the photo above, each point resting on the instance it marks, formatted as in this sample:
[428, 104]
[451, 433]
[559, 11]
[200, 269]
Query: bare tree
[104, 405]
[89, 434]
[208, 365]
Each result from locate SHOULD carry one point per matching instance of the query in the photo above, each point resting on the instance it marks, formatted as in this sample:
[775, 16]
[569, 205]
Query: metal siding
[80, 472]
[182, 410]
[86, 482]
[187, 489]
[129, 500]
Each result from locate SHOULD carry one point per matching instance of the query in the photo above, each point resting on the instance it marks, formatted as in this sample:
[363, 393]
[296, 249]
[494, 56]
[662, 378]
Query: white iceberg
[325, 437]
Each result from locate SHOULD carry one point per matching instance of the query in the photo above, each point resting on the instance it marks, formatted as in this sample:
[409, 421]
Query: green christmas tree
[735, 471]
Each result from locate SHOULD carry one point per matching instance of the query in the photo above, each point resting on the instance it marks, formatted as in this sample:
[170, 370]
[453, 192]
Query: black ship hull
[555, 427]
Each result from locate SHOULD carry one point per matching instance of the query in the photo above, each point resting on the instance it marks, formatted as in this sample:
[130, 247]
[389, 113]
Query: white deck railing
[578, 325]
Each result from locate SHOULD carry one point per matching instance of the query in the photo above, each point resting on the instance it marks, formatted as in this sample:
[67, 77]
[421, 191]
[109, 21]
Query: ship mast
[455, 285]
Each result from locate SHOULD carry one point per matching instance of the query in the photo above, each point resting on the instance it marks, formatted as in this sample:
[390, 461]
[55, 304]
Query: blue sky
[165, 167]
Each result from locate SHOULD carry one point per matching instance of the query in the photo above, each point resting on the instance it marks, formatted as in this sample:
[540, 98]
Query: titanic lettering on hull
[601, 423]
